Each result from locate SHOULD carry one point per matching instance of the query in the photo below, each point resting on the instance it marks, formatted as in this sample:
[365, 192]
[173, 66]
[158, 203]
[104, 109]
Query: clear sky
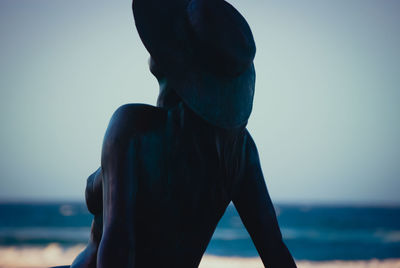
[326, 116]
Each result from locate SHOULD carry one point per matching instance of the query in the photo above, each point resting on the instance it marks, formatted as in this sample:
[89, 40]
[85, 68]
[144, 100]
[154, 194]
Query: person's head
[203, 50]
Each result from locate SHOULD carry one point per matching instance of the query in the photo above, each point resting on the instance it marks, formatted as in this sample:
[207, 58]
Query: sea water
[311, 232]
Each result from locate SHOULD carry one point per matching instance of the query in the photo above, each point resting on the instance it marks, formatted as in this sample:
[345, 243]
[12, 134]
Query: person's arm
[118, 163]
[256, 210]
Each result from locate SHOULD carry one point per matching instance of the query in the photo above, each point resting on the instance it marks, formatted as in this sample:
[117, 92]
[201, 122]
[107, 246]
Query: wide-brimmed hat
[206, 49]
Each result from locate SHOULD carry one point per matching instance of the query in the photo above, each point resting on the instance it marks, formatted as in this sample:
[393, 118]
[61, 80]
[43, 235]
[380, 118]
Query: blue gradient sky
[326, 116]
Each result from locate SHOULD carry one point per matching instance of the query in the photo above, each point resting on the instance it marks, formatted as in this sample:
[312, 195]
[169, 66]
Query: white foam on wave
[51, 255]
[389, 236]
[54, 254]
[230, 234]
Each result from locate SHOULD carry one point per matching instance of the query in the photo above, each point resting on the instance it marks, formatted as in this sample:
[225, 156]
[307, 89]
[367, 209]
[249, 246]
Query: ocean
[311, 232]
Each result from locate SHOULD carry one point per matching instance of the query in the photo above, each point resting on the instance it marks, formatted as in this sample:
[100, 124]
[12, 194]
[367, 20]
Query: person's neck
[167, 98]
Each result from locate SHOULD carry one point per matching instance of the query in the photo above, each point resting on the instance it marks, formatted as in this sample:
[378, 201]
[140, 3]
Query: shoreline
[54, 254]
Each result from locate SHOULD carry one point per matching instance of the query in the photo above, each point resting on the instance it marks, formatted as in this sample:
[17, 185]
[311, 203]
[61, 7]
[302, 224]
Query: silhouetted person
[168, 172]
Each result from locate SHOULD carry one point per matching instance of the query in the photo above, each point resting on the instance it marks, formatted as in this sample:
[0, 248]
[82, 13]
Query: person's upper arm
[257, 212]
[119, 167]
[119, 164]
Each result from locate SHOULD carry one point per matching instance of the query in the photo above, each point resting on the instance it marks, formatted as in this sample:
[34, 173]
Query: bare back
[167, 178]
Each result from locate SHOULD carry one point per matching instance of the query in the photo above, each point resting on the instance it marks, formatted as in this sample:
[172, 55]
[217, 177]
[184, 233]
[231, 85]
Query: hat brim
[163, 30]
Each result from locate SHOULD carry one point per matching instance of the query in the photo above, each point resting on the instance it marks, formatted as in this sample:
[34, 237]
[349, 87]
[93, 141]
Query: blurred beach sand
[53, 254]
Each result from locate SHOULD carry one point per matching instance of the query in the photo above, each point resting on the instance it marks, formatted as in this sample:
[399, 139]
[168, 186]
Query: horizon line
[315, 202]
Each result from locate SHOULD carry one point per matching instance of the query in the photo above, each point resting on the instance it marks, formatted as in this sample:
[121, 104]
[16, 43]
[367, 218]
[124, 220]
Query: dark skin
[165, 180]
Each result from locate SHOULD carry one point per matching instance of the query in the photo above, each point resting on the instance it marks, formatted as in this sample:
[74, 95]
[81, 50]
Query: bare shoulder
[132, 120]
